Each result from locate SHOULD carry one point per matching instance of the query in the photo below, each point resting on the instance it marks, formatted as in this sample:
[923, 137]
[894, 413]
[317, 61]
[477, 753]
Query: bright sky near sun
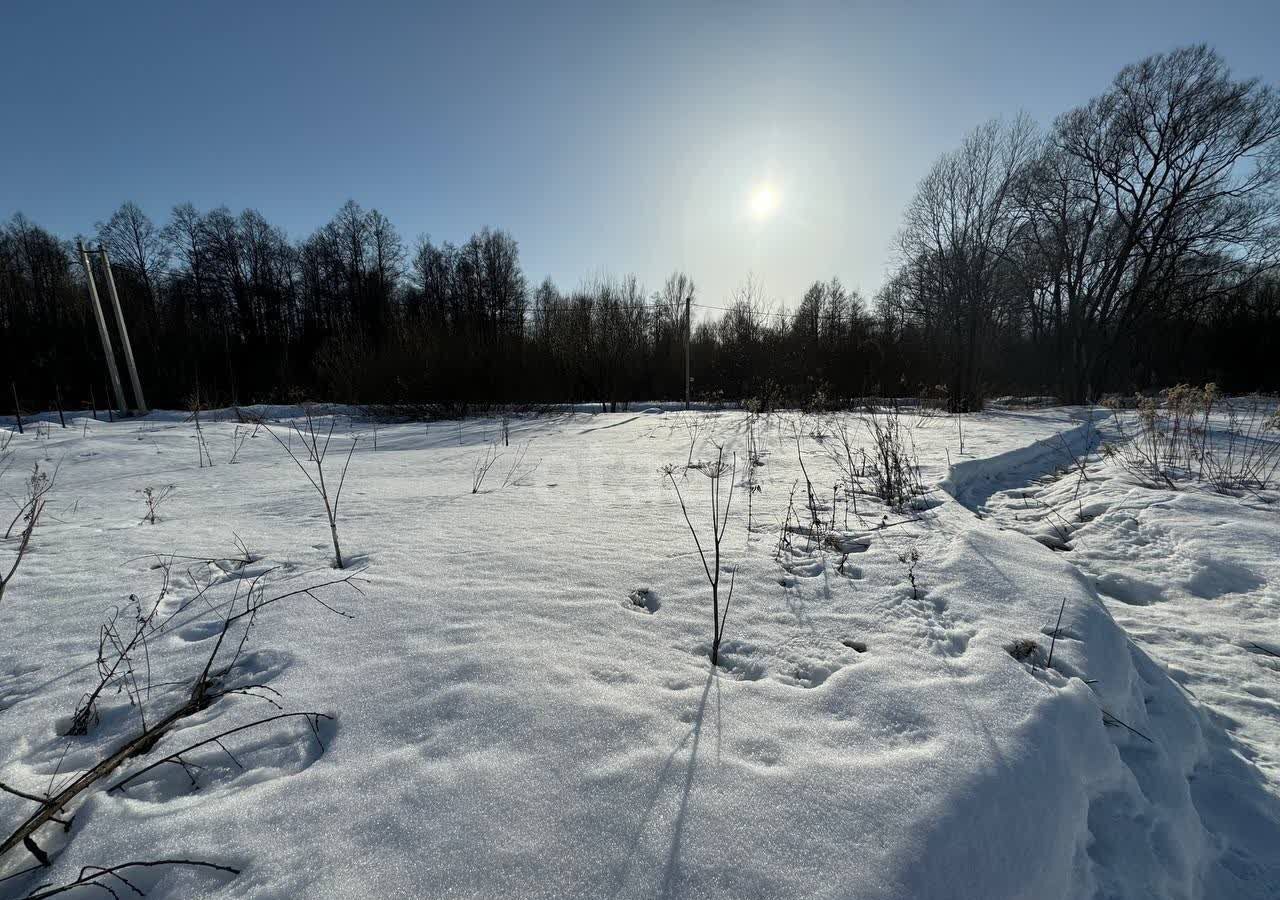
[764, 201]
[723, 139]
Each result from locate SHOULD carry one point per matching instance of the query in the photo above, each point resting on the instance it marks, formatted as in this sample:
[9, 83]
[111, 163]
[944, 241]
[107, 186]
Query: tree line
[1134, 243]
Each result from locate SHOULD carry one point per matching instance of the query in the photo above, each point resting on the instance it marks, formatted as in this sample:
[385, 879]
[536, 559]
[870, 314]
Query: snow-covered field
[507, 721]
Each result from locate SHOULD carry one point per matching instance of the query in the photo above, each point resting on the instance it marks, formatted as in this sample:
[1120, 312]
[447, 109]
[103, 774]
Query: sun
[764, 201]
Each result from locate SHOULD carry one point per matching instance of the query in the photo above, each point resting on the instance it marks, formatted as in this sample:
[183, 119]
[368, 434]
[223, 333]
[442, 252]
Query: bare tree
[135, 243]
[956, 238]
[1167, 182]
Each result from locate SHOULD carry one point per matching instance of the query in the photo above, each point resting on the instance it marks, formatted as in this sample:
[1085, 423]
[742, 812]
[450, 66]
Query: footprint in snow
[642, 600]
[807, 673]
[16, 685]
[198, 631]
[254, 756]
[943, 633]
[737, 659]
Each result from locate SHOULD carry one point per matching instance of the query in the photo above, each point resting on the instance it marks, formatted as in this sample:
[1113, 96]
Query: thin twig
[176, 758]
[89, 875]
[1054, 639]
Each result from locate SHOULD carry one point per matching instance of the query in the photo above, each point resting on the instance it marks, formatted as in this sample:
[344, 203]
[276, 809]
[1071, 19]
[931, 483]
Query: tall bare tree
[135, 243]
[956, 238]
[1165, 183]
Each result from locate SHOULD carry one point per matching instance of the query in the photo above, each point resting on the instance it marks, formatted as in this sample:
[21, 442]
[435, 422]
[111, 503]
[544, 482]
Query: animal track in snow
[943, 634]
[642, 600]
[737, 659]
[810, 661]
[1132, 591]
[807, 673]
[799, 563]
[198, 631]
[15, 685]
[251, 757]
[760, 751]
[1218, 577]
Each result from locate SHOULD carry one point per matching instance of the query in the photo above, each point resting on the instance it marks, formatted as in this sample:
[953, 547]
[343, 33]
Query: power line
[761, 312]
[565, 305]
[532, 308]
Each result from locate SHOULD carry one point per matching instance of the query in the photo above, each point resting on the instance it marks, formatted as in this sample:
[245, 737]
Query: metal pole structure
[124, 334]
[102, 329]
[688, 326]
[17, 407]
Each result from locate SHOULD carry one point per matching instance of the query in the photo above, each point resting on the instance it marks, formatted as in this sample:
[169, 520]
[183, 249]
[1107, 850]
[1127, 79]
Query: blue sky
[606, 137]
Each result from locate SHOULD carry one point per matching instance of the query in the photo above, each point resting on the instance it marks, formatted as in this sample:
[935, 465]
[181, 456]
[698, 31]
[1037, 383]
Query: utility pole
[124, 334]
[102, 328]
[17, 407]
[687, 328]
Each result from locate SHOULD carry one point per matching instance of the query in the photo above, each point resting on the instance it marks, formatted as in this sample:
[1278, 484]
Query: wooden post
[93, 403]
[57, 393]
[102, 331]
[124, 334]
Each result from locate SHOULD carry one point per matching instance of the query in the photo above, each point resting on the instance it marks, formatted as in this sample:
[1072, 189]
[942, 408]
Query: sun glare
[764, 201]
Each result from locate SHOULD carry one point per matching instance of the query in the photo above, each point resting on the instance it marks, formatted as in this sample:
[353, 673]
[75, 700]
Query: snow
[522, 700]
[1190, 575]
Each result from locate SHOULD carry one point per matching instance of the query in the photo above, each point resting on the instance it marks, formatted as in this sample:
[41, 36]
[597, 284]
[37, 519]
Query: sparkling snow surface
[509, 722]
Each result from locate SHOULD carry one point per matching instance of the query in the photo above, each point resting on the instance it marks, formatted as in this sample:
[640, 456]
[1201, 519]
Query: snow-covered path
[509, 723]
[1191, 575]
